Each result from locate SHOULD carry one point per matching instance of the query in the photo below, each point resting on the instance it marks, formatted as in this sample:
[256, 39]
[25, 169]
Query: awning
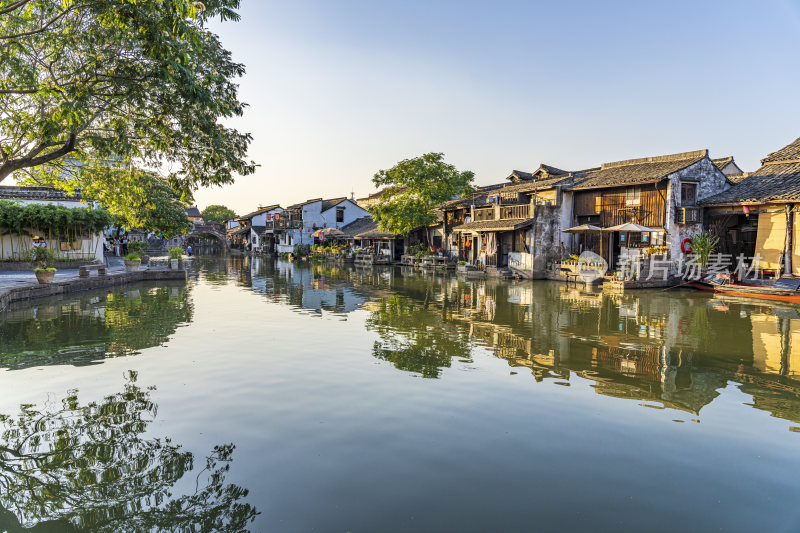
[583, 228]
[240, 231]
[495, 225]
[327, 232]
[630, 226]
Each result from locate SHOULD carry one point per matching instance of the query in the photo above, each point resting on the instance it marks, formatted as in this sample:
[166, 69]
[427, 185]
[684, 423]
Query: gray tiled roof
[258, 212]
[193, 212]
[12, 192]
[381, 192]
[495, 225]
[327, 204]
[778, 180]
[722, 162]
[790, 152]
[365, 228]
[520, 175]
[636, 171]
[478, 198]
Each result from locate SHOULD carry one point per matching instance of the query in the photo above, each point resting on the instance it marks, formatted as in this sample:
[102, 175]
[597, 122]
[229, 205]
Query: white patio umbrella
[327, 232]
[583, 228]
[630, 226]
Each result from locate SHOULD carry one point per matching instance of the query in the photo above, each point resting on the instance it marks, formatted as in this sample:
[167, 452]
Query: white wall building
[84, 246]
[309, 216]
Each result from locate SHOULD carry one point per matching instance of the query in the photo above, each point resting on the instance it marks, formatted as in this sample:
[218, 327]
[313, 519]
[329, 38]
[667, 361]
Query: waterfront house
[256, 230]
[88, 246]
[659, 192]
[305, 218]
[757, 214]
[511, 224]
[364, 233]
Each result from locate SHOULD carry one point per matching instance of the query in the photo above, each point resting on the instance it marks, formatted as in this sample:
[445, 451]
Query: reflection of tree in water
[416, 337]
[83, 331]
[88, 467]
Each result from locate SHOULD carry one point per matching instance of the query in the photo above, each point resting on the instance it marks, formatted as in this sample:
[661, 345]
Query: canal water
[272, 396]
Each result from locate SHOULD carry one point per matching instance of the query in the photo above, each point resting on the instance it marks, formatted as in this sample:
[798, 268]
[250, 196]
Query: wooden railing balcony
[483, 214]
[515, 211]
[506, 212]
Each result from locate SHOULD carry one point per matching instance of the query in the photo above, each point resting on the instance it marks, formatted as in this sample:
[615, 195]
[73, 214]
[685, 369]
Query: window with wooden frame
[633, 196]
[340, 214]
[688, 194]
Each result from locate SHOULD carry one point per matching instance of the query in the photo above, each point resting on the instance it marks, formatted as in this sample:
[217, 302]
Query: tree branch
[13, 7]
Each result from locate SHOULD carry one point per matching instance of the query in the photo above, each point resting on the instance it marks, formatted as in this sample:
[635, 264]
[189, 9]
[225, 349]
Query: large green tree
[414, 188]
[135, 198]
[218, 214]
[120, 80]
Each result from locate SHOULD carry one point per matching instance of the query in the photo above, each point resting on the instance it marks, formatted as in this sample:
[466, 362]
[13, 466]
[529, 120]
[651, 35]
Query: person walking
[189, 250]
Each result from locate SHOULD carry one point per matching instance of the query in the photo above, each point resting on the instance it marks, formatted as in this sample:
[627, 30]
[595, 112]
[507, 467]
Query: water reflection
[84, 328]
[665, 350]
[70, 465]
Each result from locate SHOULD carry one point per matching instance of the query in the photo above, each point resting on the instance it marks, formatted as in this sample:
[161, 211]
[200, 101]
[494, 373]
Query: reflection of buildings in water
[776, 344]
[653, 373]
[305, 287]
[678, 351]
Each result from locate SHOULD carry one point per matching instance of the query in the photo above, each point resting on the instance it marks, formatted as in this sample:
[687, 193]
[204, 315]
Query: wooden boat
[785, 289]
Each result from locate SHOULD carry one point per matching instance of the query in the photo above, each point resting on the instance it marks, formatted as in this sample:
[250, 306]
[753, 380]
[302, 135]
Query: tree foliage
[51, 219]
[414, 188]
[134, 197]
[218, 214]
[130, 80]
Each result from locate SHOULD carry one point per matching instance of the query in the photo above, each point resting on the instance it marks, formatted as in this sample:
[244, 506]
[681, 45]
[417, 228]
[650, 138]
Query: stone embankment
[31, 290]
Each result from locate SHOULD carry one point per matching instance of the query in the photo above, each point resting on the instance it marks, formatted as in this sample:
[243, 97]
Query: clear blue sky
[340, 89]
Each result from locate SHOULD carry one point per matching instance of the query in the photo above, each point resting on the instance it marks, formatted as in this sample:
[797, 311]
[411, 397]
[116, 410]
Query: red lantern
[746, 209]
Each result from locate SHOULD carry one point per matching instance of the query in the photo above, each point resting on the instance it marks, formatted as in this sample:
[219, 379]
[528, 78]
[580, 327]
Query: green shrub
[176, 252]
[42, 256]
[133, 257]
[137, 247]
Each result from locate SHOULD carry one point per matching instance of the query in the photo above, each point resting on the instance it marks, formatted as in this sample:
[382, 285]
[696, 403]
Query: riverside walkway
[20, 285]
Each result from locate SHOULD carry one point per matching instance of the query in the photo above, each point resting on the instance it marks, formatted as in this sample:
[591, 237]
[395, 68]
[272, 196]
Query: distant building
[194, 215]
[728, 167]
[85, 245]
[256, 230]
[306, 217]
[375, 197]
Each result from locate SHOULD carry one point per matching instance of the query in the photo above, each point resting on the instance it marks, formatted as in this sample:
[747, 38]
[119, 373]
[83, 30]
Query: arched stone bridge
[211, 230]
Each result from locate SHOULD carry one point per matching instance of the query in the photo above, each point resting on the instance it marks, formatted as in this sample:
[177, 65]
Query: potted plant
[704, 244]
[175, 255]
[139, 248]
[132, 262]
[44, 258]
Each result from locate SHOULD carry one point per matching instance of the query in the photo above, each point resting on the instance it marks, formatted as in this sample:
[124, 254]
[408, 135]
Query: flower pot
[44, 277]
[132, 266]
[174, 264]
